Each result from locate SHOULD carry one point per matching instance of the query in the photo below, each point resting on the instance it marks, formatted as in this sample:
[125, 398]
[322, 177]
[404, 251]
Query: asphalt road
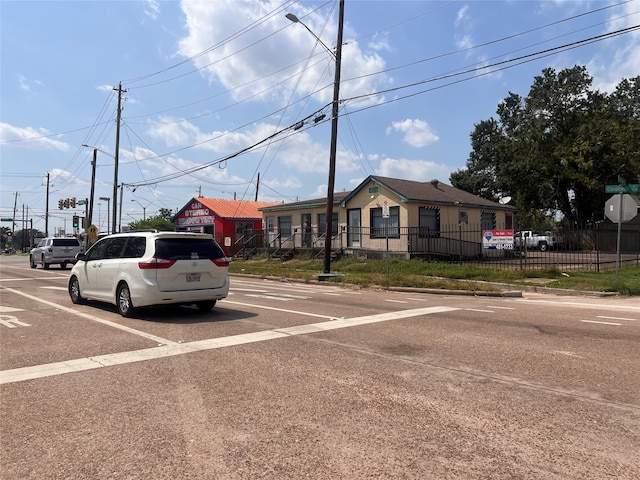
[288, 380]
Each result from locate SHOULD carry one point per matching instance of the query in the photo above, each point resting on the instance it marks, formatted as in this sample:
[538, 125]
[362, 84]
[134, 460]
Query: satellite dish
[504, 200]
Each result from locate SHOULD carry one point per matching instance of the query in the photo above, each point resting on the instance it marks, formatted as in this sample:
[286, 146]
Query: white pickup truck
[528, 239]
[55, 250]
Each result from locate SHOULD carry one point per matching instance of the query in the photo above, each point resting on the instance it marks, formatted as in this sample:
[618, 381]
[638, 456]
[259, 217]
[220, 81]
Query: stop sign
[629, 208]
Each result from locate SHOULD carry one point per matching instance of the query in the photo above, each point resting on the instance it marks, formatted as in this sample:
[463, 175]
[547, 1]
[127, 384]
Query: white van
[139, 269]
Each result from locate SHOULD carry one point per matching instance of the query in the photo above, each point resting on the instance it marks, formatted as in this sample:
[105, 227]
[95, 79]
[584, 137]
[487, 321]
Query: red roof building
[229, 221]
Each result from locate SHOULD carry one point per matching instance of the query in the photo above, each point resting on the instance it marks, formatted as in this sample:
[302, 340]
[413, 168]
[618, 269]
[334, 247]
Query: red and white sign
[497, 239]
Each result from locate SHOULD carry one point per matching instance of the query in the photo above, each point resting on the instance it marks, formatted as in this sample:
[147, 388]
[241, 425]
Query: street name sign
[630, 188]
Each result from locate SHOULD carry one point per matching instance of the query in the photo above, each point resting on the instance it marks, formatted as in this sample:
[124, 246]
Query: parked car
[543, 241]
[139, 269]
[55, 250]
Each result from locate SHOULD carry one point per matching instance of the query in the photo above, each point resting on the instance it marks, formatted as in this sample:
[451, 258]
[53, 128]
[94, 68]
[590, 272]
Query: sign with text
[497, 239]
[196, 214]
[630, 188]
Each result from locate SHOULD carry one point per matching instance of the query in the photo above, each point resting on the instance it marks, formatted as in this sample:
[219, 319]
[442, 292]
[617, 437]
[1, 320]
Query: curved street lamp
[334, 130]
[144, 209]
[108, 200]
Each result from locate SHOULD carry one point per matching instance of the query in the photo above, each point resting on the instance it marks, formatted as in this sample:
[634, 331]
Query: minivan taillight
[155, 262]
[221, 262]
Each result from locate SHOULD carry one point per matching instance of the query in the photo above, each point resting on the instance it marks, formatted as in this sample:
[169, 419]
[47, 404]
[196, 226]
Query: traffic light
[66, 203]
[73, 202]
[60, 204]
[75, 221]
[84, 223]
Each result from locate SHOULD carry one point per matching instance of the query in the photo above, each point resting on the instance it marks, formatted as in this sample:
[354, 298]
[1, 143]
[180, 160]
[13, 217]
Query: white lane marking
[417, 299]
[617, 318]
[290, 287]
[601, 323]
[5, 309]
[268, 297]
[10, 320]
[32, 278]
[256, 290]
[94, 319]
[288, 295]
[81, 364]
[569, 354]
[276, 309]
[479, 310]
[395, 301]
[334, 294]
[609, 306]
[64, 289]
[500, 308]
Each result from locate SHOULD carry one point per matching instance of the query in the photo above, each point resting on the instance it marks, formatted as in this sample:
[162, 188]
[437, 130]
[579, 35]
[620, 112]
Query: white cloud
[623, 58]
[417, 133]
[265, 62]
[418, 170]
[462, 36]
[152, 10]
[30, 138]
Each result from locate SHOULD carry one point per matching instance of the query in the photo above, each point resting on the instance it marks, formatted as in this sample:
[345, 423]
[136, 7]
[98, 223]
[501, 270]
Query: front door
[353, 228]
[271, 230]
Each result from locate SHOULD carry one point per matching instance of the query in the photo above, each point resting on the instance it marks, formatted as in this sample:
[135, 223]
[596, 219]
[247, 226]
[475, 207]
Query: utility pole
[13, 223]
[93, 184]
[114, 197]
[46, 211]
[257, 186]
[334, 143]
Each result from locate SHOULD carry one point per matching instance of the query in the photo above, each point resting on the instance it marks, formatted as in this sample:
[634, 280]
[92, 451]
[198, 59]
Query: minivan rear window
[187, 249]
[65, 242]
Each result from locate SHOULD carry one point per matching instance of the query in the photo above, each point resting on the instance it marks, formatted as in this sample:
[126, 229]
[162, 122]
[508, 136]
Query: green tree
[157, 223]
[556, 149]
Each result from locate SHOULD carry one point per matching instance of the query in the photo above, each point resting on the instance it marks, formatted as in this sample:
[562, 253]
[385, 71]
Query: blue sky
[213, 89]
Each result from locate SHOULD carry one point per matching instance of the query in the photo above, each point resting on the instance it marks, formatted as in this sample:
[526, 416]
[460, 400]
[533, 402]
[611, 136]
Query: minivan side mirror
[80, 256]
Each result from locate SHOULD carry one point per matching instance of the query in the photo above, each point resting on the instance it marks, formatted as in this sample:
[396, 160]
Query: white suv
[55, 250]
[144, 268]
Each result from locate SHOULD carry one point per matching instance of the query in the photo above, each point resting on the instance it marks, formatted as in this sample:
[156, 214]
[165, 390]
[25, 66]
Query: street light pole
[108, 200]
[144, 209]
[334, 133]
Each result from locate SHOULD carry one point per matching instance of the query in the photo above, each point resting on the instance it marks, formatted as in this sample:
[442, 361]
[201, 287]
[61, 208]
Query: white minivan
[144, 268]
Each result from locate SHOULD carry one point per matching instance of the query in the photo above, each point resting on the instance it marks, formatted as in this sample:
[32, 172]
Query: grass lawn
[420, 274]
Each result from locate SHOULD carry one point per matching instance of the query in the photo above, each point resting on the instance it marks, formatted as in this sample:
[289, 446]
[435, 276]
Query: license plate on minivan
[193, 277]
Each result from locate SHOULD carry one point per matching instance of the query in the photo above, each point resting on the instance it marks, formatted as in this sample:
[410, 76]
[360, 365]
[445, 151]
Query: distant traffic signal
[60, 204]
[73, 202]
[75, 221]
[66, 203]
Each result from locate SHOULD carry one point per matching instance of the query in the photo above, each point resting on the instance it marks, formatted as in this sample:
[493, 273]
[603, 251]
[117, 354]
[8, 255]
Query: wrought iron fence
[593, 247]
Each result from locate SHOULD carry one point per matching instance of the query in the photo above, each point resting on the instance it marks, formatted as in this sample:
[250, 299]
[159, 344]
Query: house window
[429, 222]
[508, 221]
[488, 221]
[385, 227]
[284, 226]
[244, 229]
[322, 222]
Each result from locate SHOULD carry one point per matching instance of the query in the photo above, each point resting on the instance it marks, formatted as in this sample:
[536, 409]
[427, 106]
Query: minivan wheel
[123, 300]
[45, 265]
[63, 265]
[74, 291]
[32, 264]
[206, 305]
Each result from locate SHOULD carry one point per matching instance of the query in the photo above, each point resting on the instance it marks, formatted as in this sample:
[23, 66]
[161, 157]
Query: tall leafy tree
[556, 149]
